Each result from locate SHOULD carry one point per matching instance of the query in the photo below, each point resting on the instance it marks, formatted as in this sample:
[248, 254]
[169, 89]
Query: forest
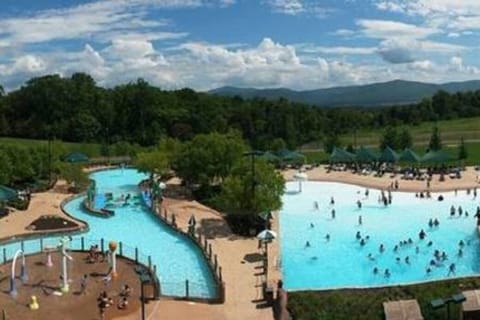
[76, 109]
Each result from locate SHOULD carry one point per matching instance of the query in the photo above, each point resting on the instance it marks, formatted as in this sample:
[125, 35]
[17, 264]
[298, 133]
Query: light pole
[144, 279]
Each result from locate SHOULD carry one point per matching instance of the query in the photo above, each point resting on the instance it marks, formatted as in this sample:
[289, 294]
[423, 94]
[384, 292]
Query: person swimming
[429, 270]
[333, 213]
[444, 256]
[395, 249]
[460, 211]
[451, 269]
[460, 253]
[312, 225]
[371, 257]
[327, 237]
[387, 273]
[360, 221]
[381, 248]
[366, 193]
[436, 223]
[461, 243]
[410, 241]
[362, 242]
[430, 243]
[430, 223]
[407, 260]
[452, 211]
[315, 205]
[375, 270]
[422, 235]
[359, 204]
[397, 259]
[358, 235]
[307, 244]
[332, 201]
[417, 249]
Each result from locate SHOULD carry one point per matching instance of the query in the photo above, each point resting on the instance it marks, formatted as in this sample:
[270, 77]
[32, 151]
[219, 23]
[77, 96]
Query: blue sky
[203, 44]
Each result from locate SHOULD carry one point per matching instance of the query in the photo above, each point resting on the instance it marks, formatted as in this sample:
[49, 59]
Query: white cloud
[456, 64]
[94, 20]
[314, 49]
[290, 7]
[385, 29]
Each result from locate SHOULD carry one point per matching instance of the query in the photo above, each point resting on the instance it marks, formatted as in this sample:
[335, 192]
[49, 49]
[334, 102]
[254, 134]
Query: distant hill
[370, 95]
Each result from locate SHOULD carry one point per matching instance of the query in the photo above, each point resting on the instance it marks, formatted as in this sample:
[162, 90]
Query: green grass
[366, 304]
[90, 149]
[450, 130]
[473, 149]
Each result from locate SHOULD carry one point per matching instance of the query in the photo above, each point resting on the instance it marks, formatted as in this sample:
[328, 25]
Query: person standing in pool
[422, 235]
[333, 213]
[451, 269]
[359, 204]
[360, 221]
[332, 201]
[315, 205]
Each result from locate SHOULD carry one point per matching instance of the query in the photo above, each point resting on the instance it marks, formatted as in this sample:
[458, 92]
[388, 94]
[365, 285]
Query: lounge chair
[402, 310]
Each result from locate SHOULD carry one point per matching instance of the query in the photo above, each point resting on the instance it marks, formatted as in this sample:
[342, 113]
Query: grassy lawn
[90, 149]
[473, 149]
[367, 304]
[450, 130]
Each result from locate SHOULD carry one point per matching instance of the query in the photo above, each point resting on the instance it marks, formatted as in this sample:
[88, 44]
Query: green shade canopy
[269, 157]
[436, 157]
[365, 155]
[287, 155]
[7, 193]
[340, 155]
[388, 155]
[408, 155]
[75, 157]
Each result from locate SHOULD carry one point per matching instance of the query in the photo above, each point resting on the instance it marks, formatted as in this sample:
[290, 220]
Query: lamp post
[441, 302]
[144, 279]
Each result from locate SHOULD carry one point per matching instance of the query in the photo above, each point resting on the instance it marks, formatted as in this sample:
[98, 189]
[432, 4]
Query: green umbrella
[436, 157]
[269, 157]
[287, 155]
[388, 155]
[365, 155]
[408, 155]
[75, 157]
[7, 193]
[340, 155]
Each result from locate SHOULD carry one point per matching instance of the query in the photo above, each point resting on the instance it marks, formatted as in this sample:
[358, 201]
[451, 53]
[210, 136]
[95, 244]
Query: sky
[205, 44]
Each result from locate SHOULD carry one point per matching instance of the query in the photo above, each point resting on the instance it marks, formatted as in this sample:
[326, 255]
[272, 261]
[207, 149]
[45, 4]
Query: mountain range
[370, 95]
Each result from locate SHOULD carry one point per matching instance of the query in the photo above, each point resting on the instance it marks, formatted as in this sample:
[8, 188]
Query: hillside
[371, 95]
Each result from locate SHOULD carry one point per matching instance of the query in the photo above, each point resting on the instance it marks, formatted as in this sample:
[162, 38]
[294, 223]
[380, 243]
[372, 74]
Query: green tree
[277, 145]
[389, 138]
[331, 141]
[236, 198]
[462, 150]
[75, 176]
[208, 158]
[154, 162]
[435, 143]
[5, 168]
[405, 139]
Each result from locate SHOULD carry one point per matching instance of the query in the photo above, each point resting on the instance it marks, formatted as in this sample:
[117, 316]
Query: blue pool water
[176, 257]
[342, 262]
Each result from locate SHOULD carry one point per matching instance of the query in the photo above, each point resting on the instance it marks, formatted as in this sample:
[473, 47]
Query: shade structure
[269, 157]
[340, 155]
[388, 155]
[408, 155]
[287, 155]
[7, 193]
[266, 235]
[436, 157]
[75, 157]
[365, 155]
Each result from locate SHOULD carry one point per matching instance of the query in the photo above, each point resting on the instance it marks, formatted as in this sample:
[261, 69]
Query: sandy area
[469, 180]
[46, 203]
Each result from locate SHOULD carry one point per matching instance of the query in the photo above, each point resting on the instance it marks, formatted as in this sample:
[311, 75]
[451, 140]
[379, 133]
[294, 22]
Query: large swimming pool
[343, 262]
[176, 257]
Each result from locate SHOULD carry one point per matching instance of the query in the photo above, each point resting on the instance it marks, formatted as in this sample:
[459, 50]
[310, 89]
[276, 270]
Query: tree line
[76, 109]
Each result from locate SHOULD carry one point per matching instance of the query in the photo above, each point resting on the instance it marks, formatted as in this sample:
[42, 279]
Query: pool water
[342, 262]
[176, 257]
